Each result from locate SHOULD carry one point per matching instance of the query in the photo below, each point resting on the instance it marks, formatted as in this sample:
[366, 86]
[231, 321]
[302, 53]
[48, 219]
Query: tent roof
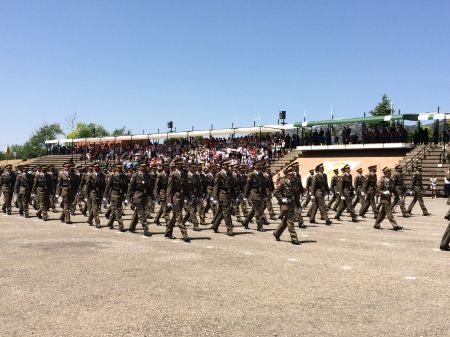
[182, 134]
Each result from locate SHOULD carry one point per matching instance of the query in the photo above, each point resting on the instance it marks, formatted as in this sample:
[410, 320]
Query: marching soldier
[223, 194]
[235, 203]
[201, 176]
[318, 190]
[41, 190]
[76, 185]
[192, 195]
[308, 188]
[270, 188]
[384, 188]
[288, 197]
[346, 191]
[368, 191]
[241, 187]
[94, 190]
[151, 201]
[417, 188]
[53, 199]
[210, 174]
[334, 188]
[160, 193]
[358, 183]
[255, 189]
[399, 190]
[23, 188]
[7, 182]
[65, 190]
[176, 194]
[138, 191]
[115, 191]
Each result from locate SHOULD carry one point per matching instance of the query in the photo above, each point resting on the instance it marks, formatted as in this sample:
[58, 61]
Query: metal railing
[412, 163]
[443, 155]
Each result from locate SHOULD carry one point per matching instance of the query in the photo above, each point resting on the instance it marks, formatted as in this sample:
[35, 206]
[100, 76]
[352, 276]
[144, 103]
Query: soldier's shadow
[242, 233]
[201, 238]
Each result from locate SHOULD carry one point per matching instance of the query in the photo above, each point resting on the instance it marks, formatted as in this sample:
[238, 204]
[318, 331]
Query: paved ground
[344, 280]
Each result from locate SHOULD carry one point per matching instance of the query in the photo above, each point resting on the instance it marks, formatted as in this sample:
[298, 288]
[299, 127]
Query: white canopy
[182, 134]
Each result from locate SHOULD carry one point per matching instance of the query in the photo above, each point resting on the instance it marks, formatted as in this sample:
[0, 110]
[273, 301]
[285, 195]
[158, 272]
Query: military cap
[118, 165]
[96, 165]
[311, 171]
[68, 164]
[386, 170]
[372, 166]
[319, 167]
[359, 170]
[79, 166]
[160, 166]
[345, 167]
[419, 167]
[336, 170]
[289, 170]
[143, 164]
[224, 162]
[398, 167]
[257, 165]
[172, 164]
[192, 165]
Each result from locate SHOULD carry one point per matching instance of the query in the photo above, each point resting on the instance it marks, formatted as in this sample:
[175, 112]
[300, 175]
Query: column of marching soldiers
[187, 192]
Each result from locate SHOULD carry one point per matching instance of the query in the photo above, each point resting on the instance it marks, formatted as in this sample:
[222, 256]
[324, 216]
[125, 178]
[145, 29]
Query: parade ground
[347, 279]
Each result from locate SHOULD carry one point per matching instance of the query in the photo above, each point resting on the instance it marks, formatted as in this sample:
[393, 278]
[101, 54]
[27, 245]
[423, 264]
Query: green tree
[90, 130]
[121, 132]
[383, 108]
[2, 156]
[35, 146]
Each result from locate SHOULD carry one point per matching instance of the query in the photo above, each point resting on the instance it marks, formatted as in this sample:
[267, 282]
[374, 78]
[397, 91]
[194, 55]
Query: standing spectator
[433, 183]
[447, 183]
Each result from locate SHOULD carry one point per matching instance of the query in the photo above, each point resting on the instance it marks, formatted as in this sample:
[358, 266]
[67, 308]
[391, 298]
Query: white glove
[33, 195]
[57, 196]
[169, 205]
[126, 202]
[363, 194]
[85, 199]
[104, 199]
[211, 199]
[386, 193]
[313, 197]
[284, 201]
[245, 199]
[215, 202]
[342, 198]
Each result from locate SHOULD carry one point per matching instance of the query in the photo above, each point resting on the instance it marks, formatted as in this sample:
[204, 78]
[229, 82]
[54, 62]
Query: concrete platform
[344, 280]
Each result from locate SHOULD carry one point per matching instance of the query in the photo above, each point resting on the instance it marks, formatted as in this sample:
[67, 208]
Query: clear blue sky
[142, 63]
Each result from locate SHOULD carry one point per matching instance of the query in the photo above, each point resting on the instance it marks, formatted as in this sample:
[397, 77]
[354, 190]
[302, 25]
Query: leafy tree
[35, 146]
[2, 156]
[83, 130]
[383, 108]
[121, 132]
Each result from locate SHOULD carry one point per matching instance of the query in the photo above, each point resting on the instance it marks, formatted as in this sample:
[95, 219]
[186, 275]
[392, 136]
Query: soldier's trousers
[358, 199]
[370, 201]
[224, 212]
[270, 207]
[96, 204]
[319, 203]
[42, 203]
[53, 202]
[201, 212]
[163, 212]
[67, 205]
[177, 218]
[306, 202]
[243, 205]
[336, 199]
[257, 211]
[24, 204]
[139, 215]
[399, 200]
[417, 198]
[287, 221]
[445, 242]
[191, 214]
[116, 213]
[346, 204]
[7, 199]
[385, 210]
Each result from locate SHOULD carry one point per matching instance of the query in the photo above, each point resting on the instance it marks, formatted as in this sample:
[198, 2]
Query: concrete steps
[284, 161]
